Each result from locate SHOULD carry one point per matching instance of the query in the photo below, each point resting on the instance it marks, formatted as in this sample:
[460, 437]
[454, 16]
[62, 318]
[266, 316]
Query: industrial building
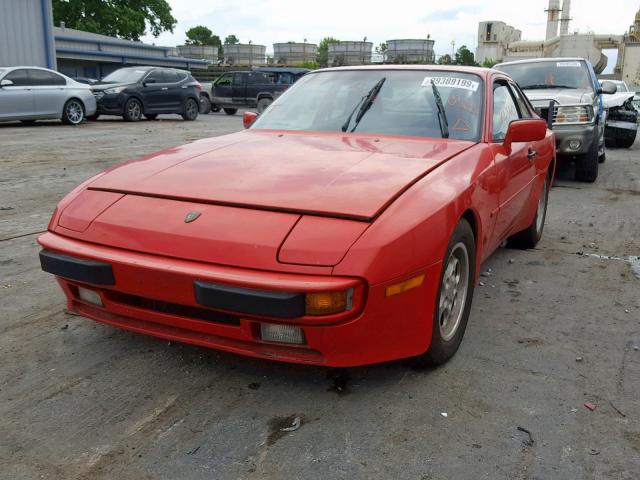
[410, 51]
[201, 52]
[500, 42]
[245, 54]
[28, 37]
[292, 53]
[349, 53]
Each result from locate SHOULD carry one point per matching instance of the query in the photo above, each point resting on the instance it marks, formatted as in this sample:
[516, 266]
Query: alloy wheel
[453, 291]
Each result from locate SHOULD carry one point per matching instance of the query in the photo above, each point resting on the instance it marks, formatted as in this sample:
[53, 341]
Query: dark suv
[136, 91]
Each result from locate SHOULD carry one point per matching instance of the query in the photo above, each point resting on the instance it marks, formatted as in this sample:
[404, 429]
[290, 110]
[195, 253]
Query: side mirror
[248, 118]
[520, 131]
[608, 88]
[6, 83]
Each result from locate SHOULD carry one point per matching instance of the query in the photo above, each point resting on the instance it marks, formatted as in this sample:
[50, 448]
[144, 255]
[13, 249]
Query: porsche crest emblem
[191, 216]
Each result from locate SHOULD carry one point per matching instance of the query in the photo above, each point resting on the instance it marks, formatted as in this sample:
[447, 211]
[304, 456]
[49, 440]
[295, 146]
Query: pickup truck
[254, 89]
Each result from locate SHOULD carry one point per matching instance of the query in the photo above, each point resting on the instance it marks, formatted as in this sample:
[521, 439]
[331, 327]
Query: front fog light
[89, 296]
[270, 332]
[574, 144]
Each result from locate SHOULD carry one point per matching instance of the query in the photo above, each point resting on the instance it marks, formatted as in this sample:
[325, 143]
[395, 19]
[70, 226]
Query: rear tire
[190, 110]
[530, 237]
[587, 164]
[263, 103]
[230, 111]
[73, 112]
[132, 110]
[205, 105]
[453, 301]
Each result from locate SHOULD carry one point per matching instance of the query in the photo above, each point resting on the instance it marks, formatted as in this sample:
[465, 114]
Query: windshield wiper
[442, 116]
[364, 104]
[541, 86]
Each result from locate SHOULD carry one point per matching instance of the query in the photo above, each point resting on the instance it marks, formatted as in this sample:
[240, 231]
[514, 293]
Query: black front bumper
[110, 104]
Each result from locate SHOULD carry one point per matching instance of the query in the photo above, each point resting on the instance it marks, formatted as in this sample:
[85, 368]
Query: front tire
[230, 111]
[530, 237]
[263, 103]
[205, 105]
[132, 110]
[73, 112]
[190, 110]
[587, 164]
[453, 302]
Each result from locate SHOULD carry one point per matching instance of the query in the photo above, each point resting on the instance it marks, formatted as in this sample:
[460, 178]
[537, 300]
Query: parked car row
[33, 93]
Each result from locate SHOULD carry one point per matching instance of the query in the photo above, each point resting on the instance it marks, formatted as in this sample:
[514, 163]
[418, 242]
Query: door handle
[532, 154]
[164, 88]
[184, 86]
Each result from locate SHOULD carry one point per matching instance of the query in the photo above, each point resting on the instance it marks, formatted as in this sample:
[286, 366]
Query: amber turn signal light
[328, 303]
[401, 287]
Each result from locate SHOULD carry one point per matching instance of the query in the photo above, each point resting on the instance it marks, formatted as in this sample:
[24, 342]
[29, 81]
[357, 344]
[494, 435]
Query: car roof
[480, 71]
[282, 69]
[538, 60]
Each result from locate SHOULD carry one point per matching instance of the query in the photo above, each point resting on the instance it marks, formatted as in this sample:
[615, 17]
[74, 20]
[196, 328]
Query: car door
[153, 92]
[49, 93]
[239, 90]
[222, 90]
[175, 84]
[257, 82]
[16, 101]
[515, 166]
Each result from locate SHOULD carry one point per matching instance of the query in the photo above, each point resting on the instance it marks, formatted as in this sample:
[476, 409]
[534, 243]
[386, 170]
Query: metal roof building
[28, 37]
[85, 54]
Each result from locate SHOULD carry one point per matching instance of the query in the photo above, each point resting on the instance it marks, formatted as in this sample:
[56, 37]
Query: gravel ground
[550, 330]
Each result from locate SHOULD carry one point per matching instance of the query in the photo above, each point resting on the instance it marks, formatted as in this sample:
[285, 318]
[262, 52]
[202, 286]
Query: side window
[171, 76]
[523, 107]
[239, 79]
[43, 78]
[225, 80]
[504, 111]
[257, 79]
[18, 77]
[155, 76]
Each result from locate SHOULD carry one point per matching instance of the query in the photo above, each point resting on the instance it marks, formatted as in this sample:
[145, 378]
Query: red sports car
[345, 226]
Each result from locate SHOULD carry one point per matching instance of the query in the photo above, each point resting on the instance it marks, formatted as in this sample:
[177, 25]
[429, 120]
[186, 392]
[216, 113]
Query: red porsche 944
[345, 226]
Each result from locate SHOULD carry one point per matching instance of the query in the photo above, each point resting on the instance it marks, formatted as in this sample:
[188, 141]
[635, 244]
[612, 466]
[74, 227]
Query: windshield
[125, 75]
[403, 105]
[560, 74]
[2, 70]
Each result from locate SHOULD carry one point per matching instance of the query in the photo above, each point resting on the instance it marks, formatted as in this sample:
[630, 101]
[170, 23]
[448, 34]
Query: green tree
[489, 63]
[323, 50]
[231, 40]
[464, 56]
[127, 19]
[201, 35]
[445, 59]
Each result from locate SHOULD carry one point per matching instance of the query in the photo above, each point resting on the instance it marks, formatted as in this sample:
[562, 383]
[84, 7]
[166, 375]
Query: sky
[265, 22]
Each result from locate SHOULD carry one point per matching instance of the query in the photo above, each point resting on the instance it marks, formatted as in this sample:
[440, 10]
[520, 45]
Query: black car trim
[250, 301]
[79, 269]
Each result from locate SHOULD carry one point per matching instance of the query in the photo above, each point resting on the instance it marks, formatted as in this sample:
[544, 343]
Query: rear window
[555, 74]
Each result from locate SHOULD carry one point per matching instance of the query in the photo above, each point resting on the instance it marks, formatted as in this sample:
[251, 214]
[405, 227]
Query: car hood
[327, 174]
[616, 99]
[563, 96]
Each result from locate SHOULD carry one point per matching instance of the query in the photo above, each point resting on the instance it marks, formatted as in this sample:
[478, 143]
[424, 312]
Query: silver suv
[570, 87]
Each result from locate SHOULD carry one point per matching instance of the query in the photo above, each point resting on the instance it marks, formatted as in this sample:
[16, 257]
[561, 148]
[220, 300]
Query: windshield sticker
[568, 64]
[451, 82]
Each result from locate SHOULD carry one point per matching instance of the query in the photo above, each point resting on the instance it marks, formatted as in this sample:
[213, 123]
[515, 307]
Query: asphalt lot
[550, 329]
